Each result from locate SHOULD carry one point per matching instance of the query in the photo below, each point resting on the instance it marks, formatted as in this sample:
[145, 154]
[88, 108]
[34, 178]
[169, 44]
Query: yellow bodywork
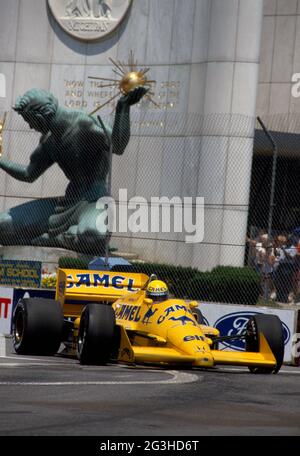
[157, 333]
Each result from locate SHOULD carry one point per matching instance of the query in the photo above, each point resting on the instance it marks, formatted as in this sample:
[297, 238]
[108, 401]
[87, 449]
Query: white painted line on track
[21, 358]
[178, 378]
[245, 370]
[28, 364]
[289, 372]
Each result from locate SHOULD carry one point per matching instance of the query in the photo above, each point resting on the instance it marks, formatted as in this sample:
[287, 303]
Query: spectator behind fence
[265, 261]
[284, 267]
[262, 258]
[257, 249]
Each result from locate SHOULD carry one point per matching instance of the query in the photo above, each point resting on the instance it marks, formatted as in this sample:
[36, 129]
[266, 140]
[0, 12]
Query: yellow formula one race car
[103, 316]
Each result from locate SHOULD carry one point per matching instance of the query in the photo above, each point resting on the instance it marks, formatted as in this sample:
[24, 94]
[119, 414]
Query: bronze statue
[77, 143]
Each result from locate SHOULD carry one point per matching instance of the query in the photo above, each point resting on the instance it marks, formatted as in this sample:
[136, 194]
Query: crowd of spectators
[277, 260]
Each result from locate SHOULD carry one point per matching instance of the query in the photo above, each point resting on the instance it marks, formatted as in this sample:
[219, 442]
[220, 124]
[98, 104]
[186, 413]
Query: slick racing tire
[271, 327]
[37, 326]
[96, 334]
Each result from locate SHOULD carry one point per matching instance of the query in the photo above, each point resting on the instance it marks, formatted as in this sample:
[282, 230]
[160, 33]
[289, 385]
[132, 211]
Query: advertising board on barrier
[18, 273]
[6, 305]
[231, 319]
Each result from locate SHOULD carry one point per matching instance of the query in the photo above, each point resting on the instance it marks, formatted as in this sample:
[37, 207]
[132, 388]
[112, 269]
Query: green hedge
[223, 284]
[176, 277]
[73, 263]
[226, 284]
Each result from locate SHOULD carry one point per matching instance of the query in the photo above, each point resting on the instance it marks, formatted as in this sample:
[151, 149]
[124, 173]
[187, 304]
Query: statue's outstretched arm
[39, 162]
[121, 128]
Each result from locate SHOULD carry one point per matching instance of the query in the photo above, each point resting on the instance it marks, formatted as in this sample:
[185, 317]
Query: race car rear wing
[81, 286]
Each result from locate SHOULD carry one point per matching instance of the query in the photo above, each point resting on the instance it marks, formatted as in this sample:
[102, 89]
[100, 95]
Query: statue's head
[37, 107]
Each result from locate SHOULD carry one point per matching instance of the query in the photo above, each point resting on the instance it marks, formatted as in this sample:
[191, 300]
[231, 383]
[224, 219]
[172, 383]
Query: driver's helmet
[157, 291]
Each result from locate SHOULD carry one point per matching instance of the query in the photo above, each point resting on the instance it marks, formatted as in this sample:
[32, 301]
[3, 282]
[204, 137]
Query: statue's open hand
[134, 96]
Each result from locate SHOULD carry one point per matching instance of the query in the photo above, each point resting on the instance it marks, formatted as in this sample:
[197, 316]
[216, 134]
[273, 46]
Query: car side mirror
[194, 304]
[148, 301]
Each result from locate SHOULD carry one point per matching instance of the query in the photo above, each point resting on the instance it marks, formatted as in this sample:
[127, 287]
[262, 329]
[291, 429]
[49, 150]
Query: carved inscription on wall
[89, 94]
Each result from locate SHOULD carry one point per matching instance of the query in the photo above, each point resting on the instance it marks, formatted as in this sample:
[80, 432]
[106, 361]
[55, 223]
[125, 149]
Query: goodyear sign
[17, 273]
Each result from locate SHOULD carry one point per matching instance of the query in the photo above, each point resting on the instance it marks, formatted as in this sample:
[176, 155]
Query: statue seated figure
[77, 143]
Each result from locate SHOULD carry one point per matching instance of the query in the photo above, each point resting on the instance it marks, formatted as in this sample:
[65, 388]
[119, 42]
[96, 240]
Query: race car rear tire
[96, 334]
[271, 327]
[37, 326]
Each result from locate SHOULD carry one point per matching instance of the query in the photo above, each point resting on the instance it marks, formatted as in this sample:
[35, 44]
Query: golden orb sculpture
[131, 81]
[129, 78]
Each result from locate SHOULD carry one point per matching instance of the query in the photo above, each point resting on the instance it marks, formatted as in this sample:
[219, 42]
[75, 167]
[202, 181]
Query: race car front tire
[271, 327]
[96, 334]
[37, 326]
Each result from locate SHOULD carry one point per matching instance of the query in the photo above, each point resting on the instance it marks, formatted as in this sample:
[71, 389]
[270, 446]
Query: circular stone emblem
[89, 20]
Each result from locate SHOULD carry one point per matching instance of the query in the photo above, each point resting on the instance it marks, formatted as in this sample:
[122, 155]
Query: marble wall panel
[206, 255]
[67, 50]
[286, 7]
[159, 33]
[212, 169]
[266, 48]
[98, 53]
[197, 88]
[184, 254]
[296, 63]
[153, 117]
[280, 98]
[8, 70]
[2, 202]
[145, 249]
[285, 33]
[263, 99]
[122, 243]
[67, 84]
[238, 171]
[218, 94]
[134, 31]
[172, 167]
[248, 38]
[269, 7]
[234, 226]
[96, 91]
[166, 252]
[191, 164]
[29, 76]
[245, 88]
[223, 30]
[182, 36]
[201, 31]
[149, 166]
[124, 169]
[294, 105]
[35, 34]
[178, 100]
[8, 29]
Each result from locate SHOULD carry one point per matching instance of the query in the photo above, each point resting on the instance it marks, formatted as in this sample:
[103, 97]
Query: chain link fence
[208, 203]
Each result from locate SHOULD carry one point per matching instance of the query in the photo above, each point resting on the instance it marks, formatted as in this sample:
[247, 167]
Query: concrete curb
[6, 345]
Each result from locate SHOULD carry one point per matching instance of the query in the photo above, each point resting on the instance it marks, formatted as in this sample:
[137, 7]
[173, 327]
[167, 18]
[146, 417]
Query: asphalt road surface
[56, 396]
